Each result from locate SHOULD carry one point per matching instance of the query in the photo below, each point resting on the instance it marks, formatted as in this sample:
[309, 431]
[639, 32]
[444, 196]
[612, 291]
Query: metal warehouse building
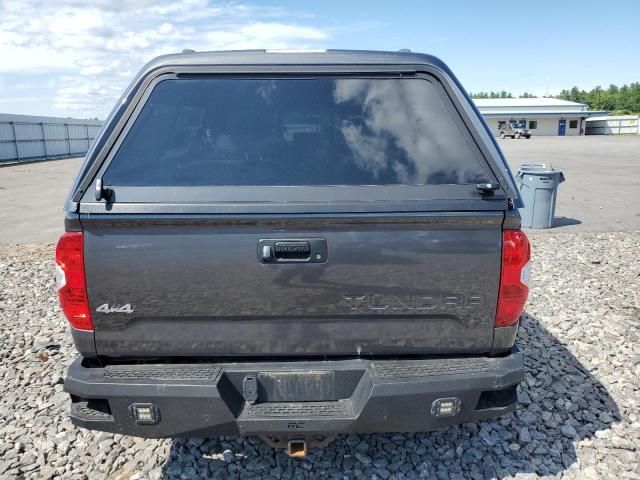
[543, 116]
[613, 125]
[25, 137]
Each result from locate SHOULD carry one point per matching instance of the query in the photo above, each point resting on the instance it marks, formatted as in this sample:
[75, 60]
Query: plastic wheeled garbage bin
[538, 189]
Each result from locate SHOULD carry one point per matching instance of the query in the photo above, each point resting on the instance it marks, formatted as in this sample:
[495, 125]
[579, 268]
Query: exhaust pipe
[297, 448]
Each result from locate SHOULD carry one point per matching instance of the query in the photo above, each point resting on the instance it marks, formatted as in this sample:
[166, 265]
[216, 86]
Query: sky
[73, 58]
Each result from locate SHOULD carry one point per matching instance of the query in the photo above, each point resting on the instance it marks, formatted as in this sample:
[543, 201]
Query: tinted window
[293, 132]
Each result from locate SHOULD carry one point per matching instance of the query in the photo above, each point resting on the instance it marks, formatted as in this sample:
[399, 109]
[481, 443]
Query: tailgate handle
[291, 250]
[313, 250]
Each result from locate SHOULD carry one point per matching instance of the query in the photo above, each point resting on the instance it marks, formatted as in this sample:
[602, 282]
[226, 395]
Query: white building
[613, 125]
[543, 116]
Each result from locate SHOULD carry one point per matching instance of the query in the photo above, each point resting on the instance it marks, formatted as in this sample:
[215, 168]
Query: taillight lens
[71, 282]
[513, 280]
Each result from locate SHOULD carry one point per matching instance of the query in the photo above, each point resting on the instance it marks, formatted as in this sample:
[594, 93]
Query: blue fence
[27, 138]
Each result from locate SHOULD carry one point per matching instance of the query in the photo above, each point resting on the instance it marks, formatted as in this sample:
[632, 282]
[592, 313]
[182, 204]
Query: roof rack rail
[188, 50]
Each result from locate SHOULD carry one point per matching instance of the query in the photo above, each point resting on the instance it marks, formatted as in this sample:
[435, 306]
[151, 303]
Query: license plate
[310, 386]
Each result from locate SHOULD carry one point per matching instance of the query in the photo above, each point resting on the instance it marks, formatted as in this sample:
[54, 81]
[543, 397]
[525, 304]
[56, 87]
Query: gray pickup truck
[292, 245]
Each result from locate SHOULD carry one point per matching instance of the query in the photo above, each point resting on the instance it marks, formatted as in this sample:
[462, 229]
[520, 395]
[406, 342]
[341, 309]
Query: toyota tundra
[292, 245]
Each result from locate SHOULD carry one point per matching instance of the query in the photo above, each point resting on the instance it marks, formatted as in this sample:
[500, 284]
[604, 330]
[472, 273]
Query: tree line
[622, 100]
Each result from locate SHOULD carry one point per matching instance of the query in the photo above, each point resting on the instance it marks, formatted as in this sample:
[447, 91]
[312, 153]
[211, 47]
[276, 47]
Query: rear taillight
[513, 280]
[72, 286]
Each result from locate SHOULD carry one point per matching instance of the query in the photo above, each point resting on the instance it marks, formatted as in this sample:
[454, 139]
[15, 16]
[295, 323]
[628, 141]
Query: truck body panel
[401, 284]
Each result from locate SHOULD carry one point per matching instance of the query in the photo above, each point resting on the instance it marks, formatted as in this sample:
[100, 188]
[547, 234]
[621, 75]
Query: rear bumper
[359, 396]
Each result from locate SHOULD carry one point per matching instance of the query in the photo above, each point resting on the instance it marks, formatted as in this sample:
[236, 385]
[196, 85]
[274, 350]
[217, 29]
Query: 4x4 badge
[105, 308]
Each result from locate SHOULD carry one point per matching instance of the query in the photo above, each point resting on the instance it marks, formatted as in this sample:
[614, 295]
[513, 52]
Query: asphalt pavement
[601, 192]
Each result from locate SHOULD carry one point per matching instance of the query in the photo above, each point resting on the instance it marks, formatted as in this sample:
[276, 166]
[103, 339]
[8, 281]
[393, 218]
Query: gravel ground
[580, 404]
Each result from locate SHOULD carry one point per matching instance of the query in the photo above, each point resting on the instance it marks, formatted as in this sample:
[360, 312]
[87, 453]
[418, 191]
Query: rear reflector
[515, 270]
[72, 286]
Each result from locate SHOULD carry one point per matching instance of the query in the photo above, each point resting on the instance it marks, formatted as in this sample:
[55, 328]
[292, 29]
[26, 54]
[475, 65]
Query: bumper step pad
[430, 368]
[91, 412]
[300, 410]
[160, 372]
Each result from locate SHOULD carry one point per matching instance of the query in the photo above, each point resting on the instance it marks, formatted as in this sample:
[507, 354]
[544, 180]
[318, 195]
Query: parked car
[292, 245]
[513, 131]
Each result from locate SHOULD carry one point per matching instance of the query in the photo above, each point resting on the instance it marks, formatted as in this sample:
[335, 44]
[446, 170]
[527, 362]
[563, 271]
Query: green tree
[615, 99]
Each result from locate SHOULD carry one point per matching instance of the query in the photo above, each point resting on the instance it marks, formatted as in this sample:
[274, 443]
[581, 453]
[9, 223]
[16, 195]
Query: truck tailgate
[196, 285]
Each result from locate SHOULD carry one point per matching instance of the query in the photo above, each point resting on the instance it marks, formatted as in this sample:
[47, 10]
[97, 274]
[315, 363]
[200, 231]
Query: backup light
[446, 407]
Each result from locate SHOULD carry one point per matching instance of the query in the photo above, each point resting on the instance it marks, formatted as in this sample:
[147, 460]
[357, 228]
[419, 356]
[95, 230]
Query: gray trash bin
[538, 189]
